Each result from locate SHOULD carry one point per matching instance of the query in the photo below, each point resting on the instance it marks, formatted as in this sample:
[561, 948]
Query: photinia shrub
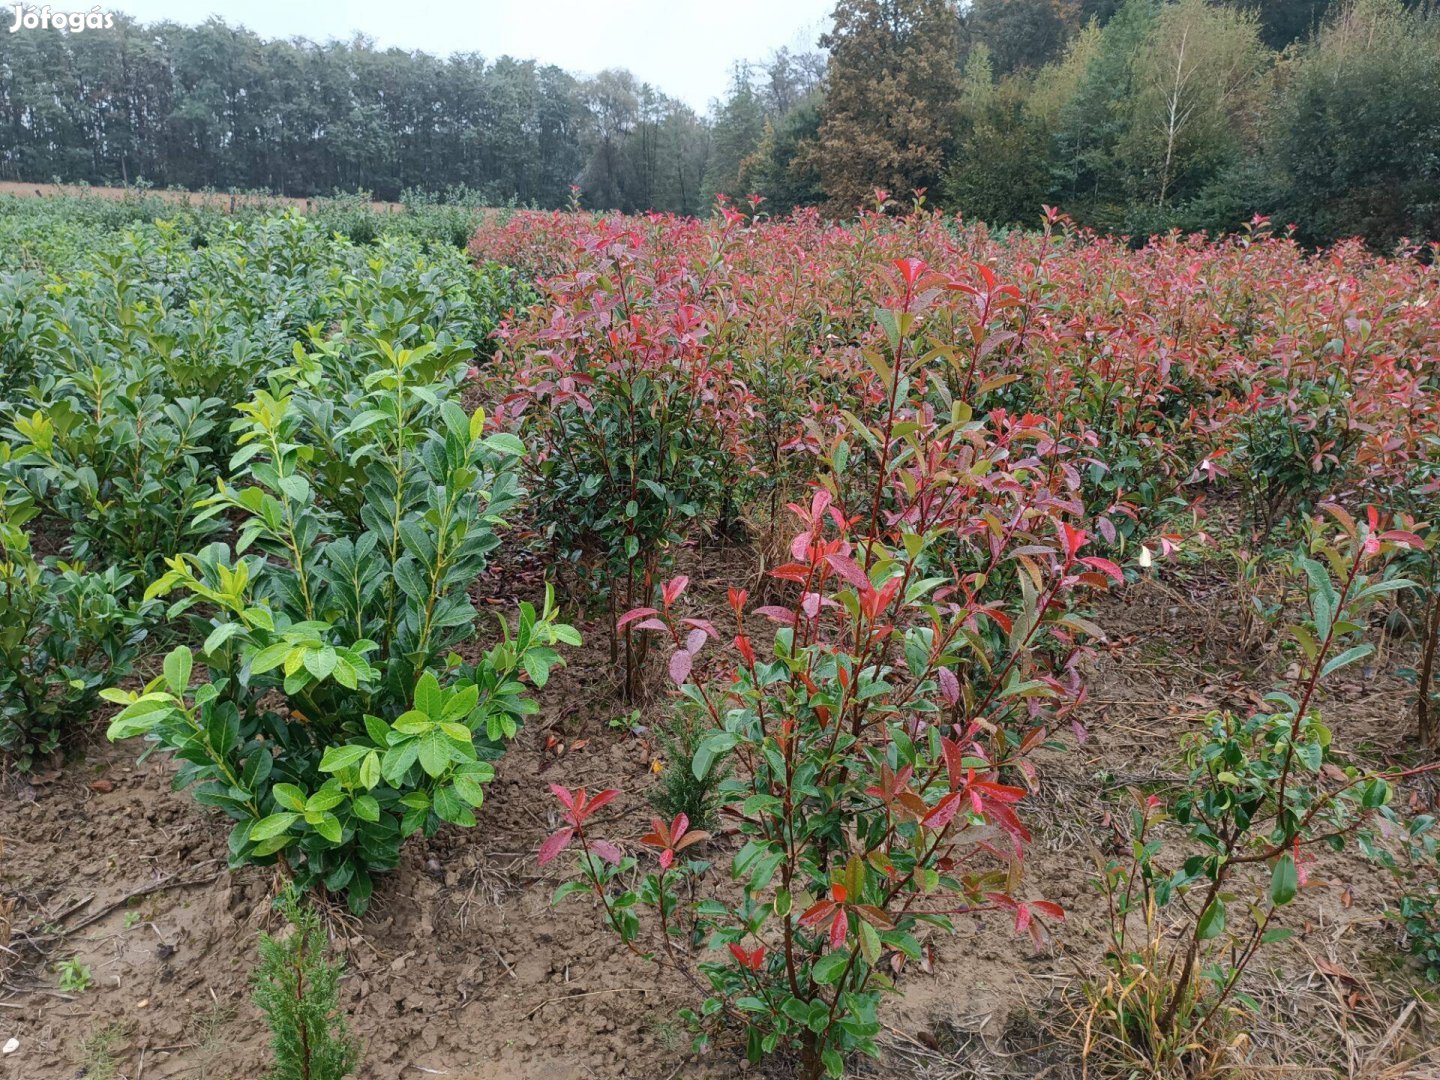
[1266, 796]
[877, 724]
[620, 390]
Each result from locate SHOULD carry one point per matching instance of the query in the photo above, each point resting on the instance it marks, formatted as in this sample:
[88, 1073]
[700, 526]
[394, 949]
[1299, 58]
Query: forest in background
[1135, 116]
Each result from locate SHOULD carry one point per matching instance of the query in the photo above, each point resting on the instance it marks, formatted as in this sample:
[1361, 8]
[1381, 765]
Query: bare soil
[463, 969]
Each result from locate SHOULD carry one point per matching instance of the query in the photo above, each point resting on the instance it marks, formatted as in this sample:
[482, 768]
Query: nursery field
[204, 200]
[548, 645]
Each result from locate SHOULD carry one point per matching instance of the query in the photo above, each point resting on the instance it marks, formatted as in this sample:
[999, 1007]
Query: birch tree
[1198, 85]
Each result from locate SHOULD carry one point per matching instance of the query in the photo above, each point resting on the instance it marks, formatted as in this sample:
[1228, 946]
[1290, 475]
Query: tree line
[217, 106]
[1136, 116]
[1130, 115]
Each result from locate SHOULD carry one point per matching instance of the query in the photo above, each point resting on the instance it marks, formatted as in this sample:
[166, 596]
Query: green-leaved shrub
[335, 717]
[65, 633]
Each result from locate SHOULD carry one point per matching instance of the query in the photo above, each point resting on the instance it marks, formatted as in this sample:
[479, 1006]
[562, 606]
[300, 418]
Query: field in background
[200, 199]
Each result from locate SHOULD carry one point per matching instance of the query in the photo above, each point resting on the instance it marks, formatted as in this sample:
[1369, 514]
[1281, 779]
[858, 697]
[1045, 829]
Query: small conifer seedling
[297, 988]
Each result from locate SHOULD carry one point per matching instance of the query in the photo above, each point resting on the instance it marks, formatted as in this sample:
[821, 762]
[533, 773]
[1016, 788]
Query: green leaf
[462, 702]
[448, 807]
[329, 827]
[435, 753]
[366, 808]
[327, 798]
[829, 967]
[178, 665]
[289, 796]
[502, 442]
[428, 698]
[219, 636]
[321, 662]
[1212, 921]
[272, 845]
[869, 943]
[1349, 656]
[469, 789]
[370, 770]
[711, 748]
[342, 757]
[1284, 881]
[273, 825]
[139, 718]
[536, 668]
[297, 487]
[270, 657]
[413, 722]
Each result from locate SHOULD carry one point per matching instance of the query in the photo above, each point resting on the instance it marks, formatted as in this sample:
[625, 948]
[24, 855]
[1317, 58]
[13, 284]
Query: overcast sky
[684, 47]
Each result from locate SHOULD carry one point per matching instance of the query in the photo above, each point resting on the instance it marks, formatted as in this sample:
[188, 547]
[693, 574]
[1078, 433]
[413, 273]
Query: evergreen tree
[782, 169]
[1285, 22]
[891, 91]
[1092, 125]
[297, 988]
[998, 173]
[738, 128]
[1196, 96]
[1021, 33]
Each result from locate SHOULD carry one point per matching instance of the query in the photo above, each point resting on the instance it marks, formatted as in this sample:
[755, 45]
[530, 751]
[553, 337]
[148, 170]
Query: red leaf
[839, 926]
[673, 588]
[954, 758]
[949, 686]
[817, 913]
[681, 661]
[796, 572]
[848, 569]
[743, 644]
[1005, 793]
[1405, 539]
[607, 851]
[779, 614]
[564, 796]
[633, 614]
[555, 844]
[910, 269]
[750, 960]
[1073, 538]
[944, 811]
[1022, 918]
[600, 800]
[1105, 566]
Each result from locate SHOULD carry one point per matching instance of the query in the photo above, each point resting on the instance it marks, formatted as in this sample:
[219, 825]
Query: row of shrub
[942, 444]
[266, 429]
[971, 434]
